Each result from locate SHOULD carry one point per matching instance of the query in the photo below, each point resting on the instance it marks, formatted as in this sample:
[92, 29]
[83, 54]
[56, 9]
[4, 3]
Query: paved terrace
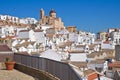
[14, 75]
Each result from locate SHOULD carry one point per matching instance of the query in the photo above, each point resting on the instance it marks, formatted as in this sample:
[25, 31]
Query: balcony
[37, 68]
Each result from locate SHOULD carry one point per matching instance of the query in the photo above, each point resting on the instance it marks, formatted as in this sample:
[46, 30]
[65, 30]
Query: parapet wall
[37, 74]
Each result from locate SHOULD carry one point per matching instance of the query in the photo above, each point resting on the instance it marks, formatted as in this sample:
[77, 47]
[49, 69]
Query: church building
[51, 20]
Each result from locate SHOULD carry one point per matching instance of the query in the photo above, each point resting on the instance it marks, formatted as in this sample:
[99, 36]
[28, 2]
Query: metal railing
[59, 69]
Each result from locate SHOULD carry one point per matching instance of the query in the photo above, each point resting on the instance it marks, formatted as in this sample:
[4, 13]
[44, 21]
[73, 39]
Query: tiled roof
[49, 35]
[76, 51]
[80, 64]
[97, 62]
[23, 39]
[107, 42]
[114, 64]
[24, 53]
[8, 37]
[88, 72]
[91, 47]
[108, 52]
[24, 30]
[98, 40]
[92, 55]
[59, 35]
[38, 30]
[4, 48]
[25, 44]
[83, 46]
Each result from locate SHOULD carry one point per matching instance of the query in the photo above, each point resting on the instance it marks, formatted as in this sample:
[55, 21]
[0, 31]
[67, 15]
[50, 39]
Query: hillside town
[92, 56]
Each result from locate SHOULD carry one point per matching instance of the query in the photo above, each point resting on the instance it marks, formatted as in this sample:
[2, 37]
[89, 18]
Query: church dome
[52, 11]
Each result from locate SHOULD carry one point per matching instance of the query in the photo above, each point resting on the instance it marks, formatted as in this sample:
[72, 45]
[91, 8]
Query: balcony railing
[59, 69]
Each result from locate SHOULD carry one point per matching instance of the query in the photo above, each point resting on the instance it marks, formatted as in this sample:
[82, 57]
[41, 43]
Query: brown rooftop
[115, 64]
[38, 30]
[24, 30]
[49, 35]
[91, 47]
[76, 51]
[88, 72]
[4, 48]
[80, 64]
[92, 55]
[79, 46]
[97, 62]
[24, 53]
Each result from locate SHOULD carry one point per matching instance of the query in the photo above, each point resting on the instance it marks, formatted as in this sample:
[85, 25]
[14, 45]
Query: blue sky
[88, 15]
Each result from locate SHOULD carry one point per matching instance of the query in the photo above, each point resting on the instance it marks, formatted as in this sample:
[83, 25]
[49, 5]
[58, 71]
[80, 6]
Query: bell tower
[41, 14]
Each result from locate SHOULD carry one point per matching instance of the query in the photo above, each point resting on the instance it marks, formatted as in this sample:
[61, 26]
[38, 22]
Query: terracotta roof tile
[114, 64]
[49, 35]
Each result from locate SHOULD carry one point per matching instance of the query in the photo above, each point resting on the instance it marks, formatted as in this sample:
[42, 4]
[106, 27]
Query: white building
[115, 37]
[113, 29]
[7, 31]
[18, 20]
[39, 36]
[9, 18]
[51, 54]
[27, 34]
[73, 37]
[77, 55]
[28, 21]
[100, 64]
[86, 38]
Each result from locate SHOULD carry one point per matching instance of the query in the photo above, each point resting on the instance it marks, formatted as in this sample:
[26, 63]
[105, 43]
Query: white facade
[27, 20]
[39, 36]
[10, 18]
[115, 37]
[86, 38]
[64, 31]
[7, 31]
[103, 65]
[17, 20]
[18, 29]
[113, 29]
[27, 34]
[22, 49]
[24, 34]
[73, 37]
[44, 27]
[78, 57]
[107, 46]
[51, 54]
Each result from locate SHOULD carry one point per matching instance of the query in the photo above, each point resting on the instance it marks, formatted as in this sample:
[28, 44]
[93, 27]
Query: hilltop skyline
[93, 16]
